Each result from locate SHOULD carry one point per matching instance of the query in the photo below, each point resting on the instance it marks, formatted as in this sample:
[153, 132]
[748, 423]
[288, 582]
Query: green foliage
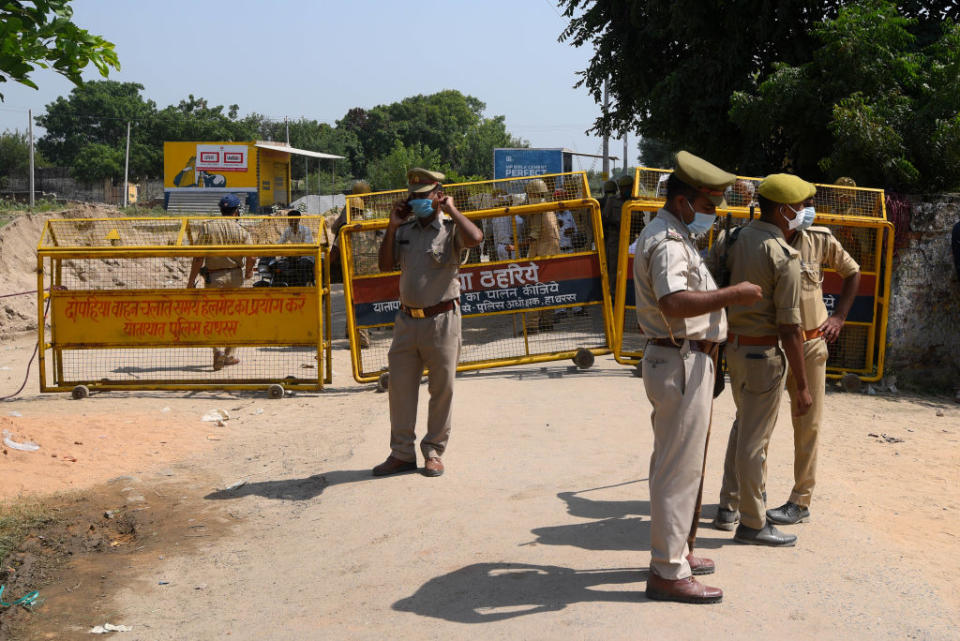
[448, 122]
[39, 33]
[15, 154]
[873, 103]
[96, 114]
[97, 161]
[729, 80]
[90, 126]
[390, 172]
[86, 131]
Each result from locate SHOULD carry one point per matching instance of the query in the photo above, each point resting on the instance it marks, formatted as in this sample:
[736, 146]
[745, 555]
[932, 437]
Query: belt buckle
[416, 312]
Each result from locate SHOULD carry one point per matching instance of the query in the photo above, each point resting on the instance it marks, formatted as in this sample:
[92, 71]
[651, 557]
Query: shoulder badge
[817, 229]
[673, 234]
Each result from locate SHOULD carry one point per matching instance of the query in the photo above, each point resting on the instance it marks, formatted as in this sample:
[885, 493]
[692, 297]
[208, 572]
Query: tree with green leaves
[674, 67]
[390, 171]
[15, 155]
[95, 115]
[40, 34]
[876, 102]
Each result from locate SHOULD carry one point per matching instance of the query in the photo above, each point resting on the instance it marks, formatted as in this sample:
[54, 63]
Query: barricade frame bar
[479, 215]
[52, 253]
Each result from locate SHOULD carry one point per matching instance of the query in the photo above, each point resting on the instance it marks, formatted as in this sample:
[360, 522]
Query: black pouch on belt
[719, 381]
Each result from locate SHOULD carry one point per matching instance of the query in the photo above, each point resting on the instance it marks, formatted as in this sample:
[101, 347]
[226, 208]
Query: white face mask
[701, 222]
[796, 221]
[808, 213]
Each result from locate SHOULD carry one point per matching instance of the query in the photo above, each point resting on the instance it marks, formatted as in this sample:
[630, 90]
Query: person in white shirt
[295, 233]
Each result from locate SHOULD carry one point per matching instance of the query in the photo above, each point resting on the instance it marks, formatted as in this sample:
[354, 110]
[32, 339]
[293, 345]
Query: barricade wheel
[275, 391]
[383, 382]
[851, 382]
[80, 391]
[583, 358]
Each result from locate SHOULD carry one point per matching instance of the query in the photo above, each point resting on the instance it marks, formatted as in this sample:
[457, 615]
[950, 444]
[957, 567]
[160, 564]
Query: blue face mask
[701, 222]
[808, 213]
[421, 207]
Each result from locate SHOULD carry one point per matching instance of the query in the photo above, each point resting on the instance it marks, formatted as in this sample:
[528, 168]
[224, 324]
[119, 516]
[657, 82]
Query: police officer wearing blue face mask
[425, 238]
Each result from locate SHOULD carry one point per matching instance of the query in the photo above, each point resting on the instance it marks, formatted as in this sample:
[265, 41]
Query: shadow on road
[293, 489]
[617, 525]
[488, 592]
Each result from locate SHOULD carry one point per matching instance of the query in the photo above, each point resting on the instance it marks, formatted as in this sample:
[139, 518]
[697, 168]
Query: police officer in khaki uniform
[763, 339]
[544, 240]
[363, 246]
[610, 216]
[223, 272]
[427, 247]
[680, 311]
[817, 247]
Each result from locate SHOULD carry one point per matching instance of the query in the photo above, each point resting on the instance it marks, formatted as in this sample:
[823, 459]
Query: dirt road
[538, 530]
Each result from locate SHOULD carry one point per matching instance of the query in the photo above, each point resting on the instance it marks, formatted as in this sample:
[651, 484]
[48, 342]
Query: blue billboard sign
[517, 163]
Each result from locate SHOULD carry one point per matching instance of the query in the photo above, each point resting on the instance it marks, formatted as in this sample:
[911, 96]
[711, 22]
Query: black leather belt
[427, 312]
[706, 347]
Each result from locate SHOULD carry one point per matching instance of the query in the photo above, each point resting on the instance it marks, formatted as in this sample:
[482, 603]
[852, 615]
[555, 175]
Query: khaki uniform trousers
[542, 318]
[757, 377]
[226, 279]
[806, 428]
[679, 385]
[433, 343]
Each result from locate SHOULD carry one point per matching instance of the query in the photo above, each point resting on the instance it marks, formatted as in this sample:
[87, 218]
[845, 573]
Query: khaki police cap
[845, 181]
[360, 187]
[625, 180]
[785, 189]
[703, 176]
[421, 181]
[537, 186]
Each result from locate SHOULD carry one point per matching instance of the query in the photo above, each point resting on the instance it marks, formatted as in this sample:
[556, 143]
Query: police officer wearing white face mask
[817, 247]
[763, 338]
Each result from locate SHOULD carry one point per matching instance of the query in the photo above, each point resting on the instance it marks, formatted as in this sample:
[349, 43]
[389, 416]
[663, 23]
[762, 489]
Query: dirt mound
[79, 548]
[18, 264]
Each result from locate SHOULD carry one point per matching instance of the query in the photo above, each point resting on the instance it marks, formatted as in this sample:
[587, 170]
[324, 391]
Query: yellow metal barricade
[121, 315]
[517, 306]
[857, 218]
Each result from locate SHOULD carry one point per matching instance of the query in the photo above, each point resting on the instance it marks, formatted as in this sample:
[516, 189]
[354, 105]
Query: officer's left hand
[804, 403]
[831, 329]
[446, 204]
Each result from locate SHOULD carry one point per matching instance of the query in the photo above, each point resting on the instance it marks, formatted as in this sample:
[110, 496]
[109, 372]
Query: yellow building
[197, 174]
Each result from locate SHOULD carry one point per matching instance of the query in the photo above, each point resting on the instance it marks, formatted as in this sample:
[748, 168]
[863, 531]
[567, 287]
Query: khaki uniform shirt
[226, 231]
[818, 246]
[761, 255]
[544, 234]
[429, 259]
[667, 261]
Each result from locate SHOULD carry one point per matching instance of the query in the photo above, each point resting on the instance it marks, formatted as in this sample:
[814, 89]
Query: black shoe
[767, 535]
[789, 514]
[726, 519]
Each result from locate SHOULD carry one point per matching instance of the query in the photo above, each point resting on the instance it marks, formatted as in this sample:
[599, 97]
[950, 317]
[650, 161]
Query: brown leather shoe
[701, 566]
[433, 466]
[394, 465]
[687, 590]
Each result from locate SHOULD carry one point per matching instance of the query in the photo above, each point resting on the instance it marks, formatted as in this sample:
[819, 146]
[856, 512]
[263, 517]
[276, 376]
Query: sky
[319, 58]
